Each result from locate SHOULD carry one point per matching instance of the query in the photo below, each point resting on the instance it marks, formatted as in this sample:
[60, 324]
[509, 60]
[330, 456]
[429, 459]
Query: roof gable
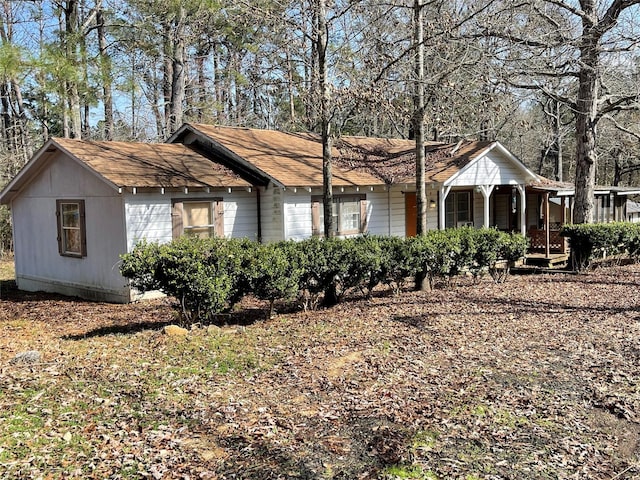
[489, 163]
[130, 164]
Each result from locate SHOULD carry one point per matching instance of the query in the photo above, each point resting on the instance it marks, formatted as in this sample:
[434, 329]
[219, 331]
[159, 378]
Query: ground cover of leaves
[534, 379]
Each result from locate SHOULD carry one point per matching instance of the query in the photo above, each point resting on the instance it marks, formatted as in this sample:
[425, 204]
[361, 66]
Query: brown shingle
[293, 159]
[394, 160]
[150, 164]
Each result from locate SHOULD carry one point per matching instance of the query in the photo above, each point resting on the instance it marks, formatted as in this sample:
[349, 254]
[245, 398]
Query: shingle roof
[394, 160]
[293, 159]
[150, 165]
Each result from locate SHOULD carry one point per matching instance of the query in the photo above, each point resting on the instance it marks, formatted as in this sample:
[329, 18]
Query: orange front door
[410, 214]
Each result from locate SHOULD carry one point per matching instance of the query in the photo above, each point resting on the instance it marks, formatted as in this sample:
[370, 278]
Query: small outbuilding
[78, 205]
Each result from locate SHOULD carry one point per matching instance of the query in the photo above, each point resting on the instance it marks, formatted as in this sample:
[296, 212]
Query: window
[349, 214]
[458, 209]
[199, 218]
[71, 228]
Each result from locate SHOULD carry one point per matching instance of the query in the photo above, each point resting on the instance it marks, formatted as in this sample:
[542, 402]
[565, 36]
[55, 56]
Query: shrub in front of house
[395, 264]
[209, 276]
[204, 275]
[591, 241]
[274, 273]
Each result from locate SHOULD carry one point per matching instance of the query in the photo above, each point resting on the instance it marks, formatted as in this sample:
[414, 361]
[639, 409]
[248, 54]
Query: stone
[26, 358]
[175, 331]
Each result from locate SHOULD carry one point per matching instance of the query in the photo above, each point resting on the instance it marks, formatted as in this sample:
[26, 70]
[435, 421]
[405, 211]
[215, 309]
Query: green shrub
[208, 276]
[599, 240]
[486, 250]
[396, 263]
[510, 248]
[310, 256]
[275, 276]
[202, 274]
[435, 255]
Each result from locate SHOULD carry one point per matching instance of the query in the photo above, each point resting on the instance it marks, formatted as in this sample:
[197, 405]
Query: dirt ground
[538, 378]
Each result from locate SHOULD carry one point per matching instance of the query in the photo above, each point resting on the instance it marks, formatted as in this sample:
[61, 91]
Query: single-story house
[78, 205]
[633, 212]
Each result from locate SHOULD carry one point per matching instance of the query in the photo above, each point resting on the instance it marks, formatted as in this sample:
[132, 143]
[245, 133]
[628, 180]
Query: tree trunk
[178, 76]
[327, 175]
[421, 281]
[167, 79]
[586, 122]
[290, 87]
[418, 118]
[105, 70]
[73, 95]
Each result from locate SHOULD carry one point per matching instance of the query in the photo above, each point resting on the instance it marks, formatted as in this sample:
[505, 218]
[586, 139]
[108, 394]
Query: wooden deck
[554, 260]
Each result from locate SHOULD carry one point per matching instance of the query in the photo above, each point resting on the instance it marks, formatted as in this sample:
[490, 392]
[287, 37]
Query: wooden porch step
[554, 260]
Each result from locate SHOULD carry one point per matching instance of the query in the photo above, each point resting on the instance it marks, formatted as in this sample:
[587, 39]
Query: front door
[410, 214]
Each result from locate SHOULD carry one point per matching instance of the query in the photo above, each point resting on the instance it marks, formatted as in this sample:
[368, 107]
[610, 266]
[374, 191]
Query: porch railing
[537, 241]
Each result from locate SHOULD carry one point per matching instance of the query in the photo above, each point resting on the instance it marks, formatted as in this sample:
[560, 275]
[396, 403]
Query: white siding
[491, 169]
[39, 266]
[271, 206]
[297, 216]
[378, 212]
[398, 217]
[149, 214]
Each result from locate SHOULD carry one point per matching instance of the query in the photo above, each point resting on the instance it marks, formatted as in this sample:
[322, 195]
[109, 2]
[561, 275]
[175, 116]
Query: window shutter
[176, 220]
[59, 225]
[83, 229]
[315, 217]
[363, 216]
[218, 217]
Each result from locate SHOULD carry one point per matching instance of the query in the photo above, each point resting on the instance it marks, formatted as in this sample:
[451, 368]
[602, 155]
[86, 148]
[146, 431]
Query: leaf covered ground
[538, 378]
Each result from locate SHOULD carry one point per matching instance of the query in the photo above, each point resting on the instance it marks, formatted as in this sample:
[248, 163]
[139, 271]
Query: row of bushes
[592, 241]
[209, 276]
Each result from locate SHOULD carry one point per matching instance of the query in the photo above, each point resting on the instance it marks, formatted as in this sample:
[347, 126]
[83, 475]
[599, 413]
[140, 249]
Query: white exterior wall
[492, 169]
[297, 219]
[272, 216]
[378, 211]
[297, 215]
[39, 266]
[149, 214]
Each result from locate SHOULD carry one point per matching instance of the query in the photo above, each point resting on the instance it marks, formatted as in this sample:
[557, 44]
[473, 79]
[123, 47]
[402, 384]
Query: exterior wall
[272, 208]
[297, 215]
[296, 212]
[491, 169]
[39, 266]
[149, 214]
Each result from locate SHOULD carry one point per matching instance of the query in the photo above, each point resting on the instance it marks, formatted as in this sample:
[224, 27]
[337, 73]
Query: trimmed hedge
[209, 276]
[591, 241]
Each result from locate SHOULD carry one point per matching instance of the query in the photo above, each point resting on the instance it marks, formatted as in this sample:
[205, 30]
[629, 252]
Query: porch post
[523, 209]
[444, 191]
[486, 194]
[563, 221]
[547, 239]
